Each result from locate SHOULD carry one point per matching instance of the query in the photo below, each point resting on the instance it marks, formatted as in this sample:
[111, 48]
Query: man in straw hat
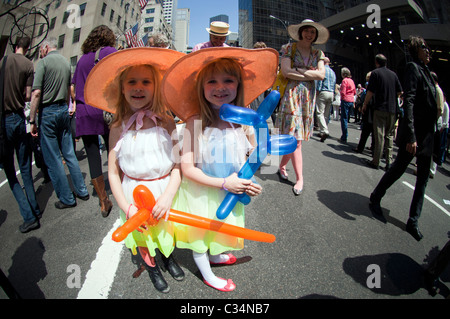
[218, 32]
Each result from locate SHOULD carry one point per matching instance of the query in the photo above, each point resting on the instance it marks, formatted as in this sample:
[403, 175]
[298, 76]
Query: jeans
[56, 138]
[396, 171]
[17, 140]
[345, 112]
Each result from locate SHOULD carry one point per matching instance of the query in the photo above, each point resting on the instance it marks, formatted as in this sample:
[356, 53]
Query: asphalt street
[328, 244]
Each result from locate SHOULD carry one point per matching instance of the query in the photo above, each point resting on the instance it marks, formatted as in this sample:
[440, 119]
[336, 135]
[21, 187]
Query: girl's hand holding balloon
[162, 207]
[253, 189]
[236, 185]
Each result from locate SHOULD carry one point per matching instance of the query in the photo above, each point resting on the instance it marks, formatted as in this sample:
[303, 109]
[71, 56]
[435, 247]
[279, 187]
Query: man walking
[51, 88]
[385, 86]
[414, 135]
[18, 79]
[325, 90]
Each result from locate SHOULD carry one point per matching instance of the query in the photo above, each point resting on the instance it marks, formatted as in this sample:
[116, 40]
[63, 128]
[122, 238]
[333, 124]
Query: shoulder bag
[107, 116]
[281, 82]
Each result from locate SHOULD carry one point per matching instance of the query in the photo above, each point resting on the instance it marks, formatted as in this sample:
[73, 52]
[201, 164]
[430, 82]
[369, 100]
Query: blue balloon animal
[275, 145]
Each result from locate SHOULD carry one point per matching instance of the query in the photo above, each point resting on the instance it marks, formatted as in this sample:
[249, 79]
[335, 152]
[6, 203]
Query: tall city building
[359, 29]
[182, 25]
[69, 22]
[153, 20]
[220, 17]
[262, 20]
[170, 9]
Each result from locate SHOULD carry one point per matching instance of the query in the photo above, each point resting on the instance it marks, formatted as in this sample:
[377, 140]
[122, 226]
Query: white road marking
[431, 200]
[100, 276]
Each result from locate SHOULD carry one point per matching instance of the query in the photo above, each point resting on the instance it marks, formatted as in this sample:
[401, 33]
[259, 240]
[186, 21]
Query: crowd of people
[145, 88]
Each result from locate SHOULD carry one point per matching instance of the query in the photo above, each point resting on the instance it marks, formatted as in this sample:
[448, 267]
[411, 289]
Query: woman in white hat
[301, 64]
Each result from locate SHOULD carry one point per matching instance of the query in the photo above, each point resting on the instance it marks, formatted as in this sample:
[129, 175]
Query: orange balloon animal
[145, 201]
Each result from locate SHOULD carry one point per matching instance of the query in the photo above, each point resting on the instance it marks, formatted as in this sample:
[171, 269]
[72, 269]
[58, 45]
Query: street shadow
[43, 194]
[317, 296]
[348, 205]
[275, 176]
[346, 157]
[398, 273]
[28, 268]
[3, 216]
[184, 259]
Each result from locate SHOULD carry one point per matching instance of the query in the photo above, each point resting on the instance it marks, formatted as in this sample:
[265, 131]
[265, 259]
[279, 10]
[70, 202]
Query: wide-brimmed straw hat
[102, 88]
[219, 28]
[323, 33]
[178, 88]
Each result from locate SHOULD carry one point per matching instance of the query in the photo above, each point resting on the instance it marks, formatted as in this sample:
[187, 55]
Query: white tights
[202, 262]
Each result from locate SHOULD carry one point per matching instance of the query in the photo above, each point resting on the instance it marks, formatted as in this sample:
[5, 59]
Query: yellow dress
[221, 153]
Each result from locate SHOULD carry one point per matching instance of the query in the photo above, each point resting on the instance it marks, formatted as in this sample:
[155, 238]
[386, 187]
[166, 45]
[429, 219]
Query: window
[111, 16]
[52, 24]
[61, 41]
[103, 9]
[65, 17]
[41, 30]
[82, 8]
[148, 20]
[73, 63]
[76, 35]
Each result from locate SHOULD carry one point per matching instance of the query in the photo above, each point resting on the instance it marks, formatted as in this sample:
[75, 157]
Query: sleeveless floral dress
[296, 114]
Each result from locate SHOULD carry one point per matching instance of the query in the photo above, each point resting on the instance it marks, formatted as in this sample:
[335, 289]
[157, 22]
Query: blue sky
[202, 10]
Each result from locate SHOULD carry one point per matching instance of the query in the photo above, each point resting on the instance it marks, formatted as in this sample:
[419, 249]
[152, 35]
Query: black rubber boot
[174, 269]
[157, 279]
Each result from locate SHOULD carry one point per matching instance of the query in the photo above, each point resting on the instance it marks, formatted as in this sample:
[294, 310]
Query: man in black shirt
[385, 86]
[19, 74]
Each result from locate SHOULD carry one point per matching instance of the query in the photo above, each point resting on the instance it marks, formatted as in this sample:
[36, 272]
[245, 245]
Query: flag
[143, 3]
[131, 35]
[142, 42]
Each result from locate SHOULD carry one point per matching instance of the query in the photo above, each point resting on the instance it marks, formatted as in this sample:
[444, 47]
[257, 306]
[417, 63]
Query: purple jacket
[89, 119]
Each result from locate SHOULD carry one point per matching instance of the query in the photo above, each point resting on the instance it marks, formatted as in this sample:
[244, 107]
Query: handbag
[2, 128]
[281, 82]
[107, 116]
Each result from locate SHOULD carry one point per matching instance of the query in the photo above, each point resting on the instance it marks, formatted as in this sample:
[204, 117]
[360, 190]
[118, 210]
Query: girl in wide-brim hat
[195, 88]
[128, 84]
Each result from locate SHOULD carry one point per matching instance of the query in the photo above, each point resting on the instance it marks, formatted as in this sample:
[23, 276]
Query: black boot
[174, 269]
[157, 279]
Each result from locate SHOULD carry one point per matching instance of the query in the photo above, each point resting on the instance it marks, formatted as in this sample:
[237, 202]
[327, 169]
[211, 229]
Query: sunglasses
[425, 47]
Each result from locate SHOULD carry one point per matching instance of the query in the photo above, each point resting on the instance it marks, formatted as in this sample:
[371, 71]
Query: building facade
[182, 25]
[153, 21]
[70, 22]
[359, 29]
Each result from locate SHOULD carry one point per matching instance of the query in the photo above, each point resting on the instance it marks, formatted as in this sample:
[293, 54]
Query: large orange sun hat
[178, 86]
[102, 88]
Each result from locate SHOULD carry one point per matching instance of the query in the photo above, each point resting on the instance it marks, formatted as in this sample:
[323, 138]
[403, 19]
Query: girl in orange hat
[142, 150]
[214, 150]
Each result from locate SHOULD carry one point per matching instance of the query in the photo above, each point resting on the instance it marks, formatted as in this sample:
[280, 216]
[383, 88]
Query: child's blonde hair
[222, 65]
[157, 107]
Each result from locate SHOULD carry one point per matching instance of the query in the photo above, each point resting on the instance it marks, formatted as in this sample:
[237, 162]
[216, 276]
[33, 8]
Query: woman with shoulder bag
[90, 121]
[301, 64]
